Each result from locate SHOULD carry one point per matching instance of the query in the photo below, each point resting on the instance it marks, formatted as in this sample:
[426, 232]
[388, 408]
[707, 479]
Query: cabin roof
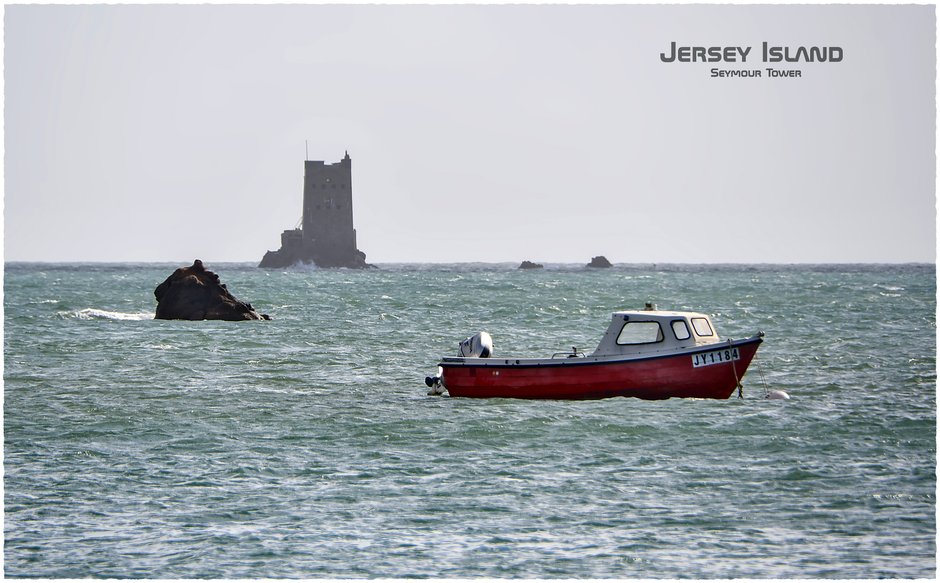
[658, 314]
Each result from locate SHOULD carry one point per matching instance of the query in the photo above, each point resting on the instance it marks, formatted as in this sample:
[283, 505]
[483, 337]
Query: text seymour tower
[326, 237]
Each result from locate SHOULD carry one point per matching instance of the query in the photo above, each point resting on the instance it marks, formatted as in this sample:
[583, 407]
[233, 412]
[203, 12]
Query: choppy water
[307, 446]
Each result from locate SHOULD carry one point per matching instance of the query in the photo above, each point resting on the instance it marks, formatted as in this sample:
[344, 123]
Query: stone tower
[326, 237]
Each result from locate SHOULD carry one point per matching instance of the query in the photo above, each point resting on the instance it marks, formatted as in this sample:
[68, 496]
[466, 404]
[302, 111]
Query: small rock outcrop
[291, 254]
[195, 293]
[529, 265]
[599, 261]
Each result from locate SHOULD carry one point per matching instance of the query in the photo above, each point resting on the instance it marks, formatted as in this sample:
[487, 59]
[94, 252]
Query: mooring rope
[737, 380]
[763, 381]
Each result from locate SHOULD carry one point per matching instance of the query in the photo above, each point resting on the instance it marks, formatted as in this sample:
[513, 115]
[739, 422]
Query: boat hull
[704, 372]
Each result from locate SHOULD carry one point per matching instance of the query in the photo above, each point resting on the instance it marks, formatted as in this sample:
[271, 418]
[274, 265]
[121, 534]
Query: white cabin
[652, 330]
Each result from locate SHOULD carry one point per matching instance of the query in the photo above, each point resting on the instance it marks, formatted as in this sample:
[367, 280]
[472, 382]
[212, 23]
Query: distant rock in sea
[599, 261]
[195, 293]
[529, 265]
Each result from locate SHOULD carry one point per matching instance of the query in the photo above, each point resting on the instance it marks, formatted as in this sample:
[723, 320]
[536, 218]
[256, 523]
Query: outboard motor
[480, 345]
[434, 383]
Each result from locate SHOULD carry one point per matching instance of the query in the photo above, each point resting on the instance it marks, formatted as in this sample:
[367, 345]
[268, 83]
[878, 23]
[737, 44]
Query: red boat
[649, 354]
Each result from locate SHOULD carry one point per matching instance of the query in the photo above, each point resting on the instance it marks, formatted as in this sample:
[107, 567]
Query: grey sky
[477, 133]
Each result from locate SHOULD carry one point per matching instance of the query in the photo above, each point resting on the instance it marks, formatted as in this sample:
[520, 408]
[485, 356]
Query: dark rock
[599, 261]
[295, 253]
[195, 293]
[529, 265]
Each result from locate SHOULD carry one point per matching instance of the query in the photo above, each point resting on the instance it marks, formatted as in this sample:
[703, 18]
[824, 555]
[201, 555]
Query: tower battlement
[326, 237]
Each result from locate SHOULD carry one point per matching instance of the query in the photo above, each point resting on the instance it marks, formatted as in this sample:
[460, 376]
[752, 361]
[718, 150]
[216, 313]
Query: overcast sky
[477, 133]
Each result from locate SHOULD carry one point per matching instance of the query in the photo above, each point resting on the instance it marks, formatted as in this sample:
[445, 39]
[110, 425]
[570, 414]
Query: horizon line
[577, 263]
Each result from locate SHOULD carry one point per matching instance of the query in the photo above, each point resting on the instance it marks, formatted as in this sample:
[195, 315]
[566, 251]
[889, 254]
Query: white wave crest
[96, 314]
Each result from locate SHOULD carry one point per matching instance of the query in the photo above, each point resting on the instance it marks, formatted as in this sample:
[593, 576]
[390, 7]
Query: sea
[308, 447]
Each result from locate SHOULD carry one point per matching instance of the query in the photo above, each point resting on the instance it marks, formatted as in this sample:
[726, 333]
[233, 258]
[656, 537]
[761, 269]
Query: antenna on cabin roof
[306, 151]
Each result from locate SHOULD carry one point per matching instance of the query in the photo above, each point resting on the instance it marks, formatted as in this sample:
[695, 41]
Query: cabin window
[680, 329]
[640, 333]
[702, 327]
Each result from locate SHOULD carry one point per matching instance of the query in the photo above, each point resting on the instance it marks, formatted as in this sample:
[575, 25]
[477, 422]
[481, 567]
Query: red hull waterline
[704, 372]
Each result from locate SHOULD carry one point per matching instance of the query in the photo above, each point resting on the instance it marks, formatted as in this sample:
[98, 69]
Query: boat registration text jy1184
[715, 357]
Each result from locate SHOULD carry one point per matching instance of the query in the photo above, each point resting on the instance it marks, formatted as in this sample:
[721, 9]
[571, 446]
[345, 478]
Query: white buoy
[777, 395]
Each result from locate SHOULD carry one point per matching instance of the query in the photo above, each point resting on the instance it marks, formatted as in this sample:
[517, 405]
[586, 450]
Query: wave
[96, 314]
